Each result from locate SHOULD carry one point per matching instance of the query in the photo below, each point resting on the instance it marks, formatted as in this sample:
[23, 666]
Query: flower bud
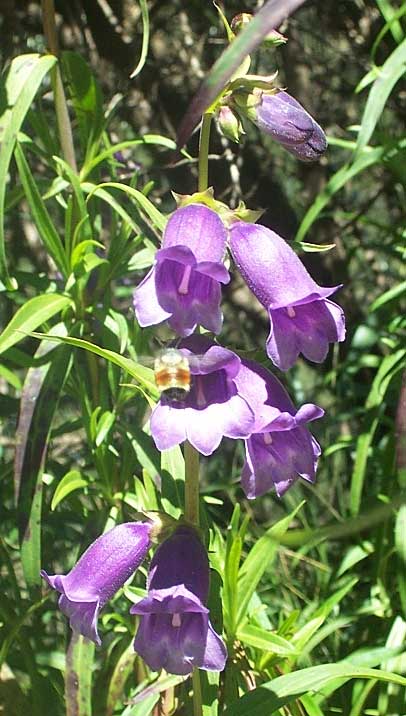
[273, 38]
[229, 124]
[281, 116]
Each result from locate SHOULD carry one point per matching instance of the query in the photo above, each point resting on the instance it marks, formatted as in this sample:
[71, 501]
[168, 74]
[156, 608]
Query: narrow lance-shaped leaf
[145, 39]
[31, 315]
[14, 119]
[267, 698]
[268, 18]
[145, 376]
[390, 72]
[42, 219]
[40, 397]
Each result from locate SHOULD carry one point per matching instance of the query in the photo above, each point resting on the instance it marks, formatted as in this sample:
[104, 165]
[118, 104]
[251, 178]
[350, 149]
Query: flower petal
[148, 310]
[270, 267]
[199, 228]
[100, 572]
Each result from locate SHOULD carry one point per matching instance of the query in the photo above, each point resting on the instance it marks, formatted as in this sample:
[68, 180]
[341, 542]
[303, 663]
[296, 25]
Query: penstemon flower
[288, 123]
[213, 408]
[302, 319]
[183, 287]
[175, 632]
[98, 575]
[280, 449]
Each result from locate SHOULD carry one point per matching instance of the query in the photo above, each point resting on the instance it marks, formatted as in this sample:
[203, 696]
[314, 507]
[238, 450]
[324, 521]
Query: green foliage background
[320, 587]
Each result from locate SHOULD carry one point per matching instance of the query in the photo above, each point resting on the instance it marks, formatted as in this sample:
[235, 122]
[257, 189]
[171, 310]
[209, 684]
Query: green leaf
[41, 391]
[94, 190]
[73, 480]
[34, 72]
[313, 248]
[78, 676]
[388, 296]
[107, 153]
[32, 314]
[86, 98]
[379, 387]
[42, 220]
[144, 204]
[389, 15]
[104, 425]
[265, 640]
[260, 559]
[144, 376]
[270, 16]
[145, 38]
[400, 532]
[267, 698]
[338, 180]
[390, 72]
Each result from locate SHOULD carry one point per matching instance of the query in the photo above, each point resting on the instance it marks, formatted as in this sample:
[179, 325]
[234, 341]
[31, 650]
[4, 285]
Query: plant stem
[197, 693]
[203, 181]
[190, 453]
[191, 484]
[61, 107]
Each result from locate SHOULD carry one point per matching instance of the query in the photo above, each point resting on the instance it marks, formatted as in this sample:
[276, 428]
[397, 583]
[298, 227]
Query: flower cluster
[231, 396]
[174, 631]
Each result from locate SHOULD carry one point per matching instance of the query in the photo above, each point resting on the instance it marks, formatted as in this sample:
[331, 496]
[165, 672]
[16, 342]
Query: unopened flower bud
[240, 21]
[244, 18]
[281, 116]
[229, 124]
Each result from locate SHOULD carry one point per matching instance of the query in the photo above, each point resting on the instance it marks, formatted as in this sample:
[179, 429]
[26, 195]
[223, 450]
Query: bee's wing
[148, 361]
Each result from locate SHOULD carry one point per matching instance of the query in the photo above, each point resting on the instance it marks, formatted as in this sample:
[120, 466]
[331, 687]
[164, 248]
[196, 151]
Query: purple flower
[281, 449]
[212, 409]
[175, 632]
[100, 572]
[281, 116]
[302, 320]
[183, 287]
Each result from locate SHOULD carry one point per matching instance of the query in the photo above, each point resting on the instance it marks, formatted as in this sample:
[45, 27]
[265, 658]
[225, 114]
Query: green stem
[197, 693]
[191, 484]
[61, 107]
[203, 182]
[190, 453]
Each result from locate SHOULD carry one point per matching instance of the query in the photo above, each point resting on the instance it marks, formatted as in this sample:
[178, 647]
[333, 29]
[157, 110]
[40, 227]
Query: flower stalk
[203, 181]
[61, 107]
[190, 453]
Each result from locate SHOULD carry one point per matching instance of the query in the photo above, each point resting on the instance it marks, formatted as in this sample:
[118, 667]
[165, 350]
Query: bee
[172, 374]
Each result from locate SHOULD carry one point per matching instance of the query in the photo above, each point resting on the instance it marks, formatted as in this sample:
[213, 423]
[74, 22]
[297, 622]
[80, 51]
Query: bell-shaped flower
[212, 409]
[281, 116]
[183, 286]
[280, 449]
[302, 319]
[175, 632]
[98, 575]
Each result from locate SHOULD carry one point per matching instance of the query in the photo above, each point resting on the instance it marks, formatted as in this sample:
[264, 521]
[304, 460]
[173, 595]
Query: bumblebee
[172, 374]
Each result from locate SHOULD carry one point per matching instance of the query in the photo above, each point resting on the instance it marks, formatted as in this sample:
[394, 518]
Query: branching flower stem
[190, 453]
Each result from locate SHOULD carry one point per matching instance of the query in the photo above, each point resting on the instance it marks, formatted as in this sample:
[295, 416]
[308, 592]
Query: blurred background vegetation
[354, 521]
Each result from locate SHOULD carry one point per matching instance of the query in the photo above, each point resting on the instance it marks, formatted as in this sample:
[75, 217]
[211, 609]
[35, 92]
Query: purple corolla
[175, 632]
[302, 320]
[183, 286]
[281, 116]
[280, 449]
[213, 408]
[100, 572]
